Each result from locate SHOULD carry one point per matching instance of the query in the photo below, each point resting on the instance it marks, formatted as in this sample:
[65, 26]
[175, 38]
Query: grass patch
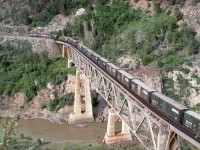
[1, 38]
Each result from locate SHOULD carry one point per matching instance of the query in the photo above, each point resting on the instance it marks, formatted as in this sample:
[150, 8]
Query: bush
[197, 107]
[1, 39]
[185, 70]
[55, 105]
[157, 8]
[178, 15]
[198, 80]
[194, 2]
[173, 95]
[43, 105]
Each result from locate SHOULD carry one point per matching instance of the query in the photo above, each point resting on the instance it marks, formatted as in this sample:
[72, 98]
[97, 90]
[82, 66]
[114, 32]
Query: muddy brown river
[40, 128]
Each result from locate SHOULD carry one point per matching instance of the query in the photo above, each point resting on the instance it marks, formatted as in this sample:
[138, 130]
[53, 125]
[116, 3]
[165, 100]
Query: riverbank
[42, 135]
[29, 144]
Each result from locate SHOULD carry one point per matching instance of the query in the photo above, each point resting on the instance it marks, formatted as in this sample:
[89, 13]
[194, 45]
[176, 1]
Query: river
[40, 128]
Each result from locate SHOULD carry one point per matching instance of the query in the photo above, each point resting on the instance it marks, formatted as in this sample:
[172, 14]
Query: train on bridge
[169, 107]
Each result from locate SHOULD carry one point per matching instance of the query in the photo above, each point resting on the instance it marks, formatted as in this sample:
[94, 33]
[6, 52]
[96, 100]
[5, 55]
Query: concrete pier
[162, 140]
[65, 52]
[111, 135]
[77, 116]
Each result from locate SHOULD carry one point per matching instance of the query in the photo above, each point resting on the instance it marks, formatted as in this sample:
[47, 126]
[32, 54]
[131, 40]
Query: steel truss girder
[140, 121]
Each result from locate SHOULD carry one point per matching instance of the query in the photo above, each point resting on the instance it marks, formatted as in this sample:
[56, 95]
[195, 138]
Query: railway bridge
[139, 119]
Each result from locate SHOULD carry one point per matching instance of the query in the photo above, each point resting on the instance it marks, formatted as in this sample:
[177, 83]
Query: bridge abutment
[77, 116]
[111, 135]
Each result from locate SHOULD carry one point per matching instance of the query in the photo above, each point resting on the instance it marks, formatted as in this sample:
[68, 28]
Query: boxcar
[83, 49]
[112, 69]
[192, 121]
[95, 57]
[102, 62]
[124, 77]
[54, 36]
[168, 105]
[71, 41]
[141, 89]
[89, 53]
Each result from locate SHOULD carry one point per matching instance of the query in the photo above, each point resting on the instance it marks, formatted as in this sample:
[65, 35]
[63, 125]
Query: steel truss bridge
[150, 126]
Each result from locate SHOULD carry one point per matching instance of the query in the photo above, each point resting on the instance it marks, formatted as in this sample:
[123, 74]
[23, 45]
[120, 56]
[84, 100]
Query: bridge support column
[168, 140]
[111, 135]
[77, 116]
[65, 52]
[88, 102]
[70, 63]
[162, 140]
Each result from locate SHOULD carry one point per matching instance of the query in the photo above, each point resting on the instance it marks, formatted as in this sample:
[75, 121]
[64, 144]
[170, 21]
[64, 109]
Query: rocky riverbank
[20, 109]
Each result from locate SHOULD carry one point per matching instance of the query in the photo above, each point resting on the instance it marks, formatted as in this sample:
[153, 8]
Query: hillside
[157, 41]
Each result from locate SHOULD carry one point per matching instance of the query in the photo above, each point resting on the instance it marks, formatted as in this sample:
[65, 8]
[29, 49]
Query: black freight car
[71, 41]
[168, 106]
[112, 69]
[95, 57]
[83, 49]
[124, 77]
[141, 89]
[102, 62]
[192, 121]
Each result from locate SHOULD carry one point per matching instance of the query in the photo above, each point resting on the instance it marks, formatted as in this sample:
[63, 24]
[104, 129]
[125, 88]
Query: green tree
[7, 131]
[24, 14]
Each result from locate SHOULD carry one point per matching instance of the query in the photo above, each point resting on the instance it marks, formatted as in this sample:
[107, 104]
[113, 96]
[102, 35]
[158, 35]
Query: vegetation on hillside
[26, 71]
[155, 39]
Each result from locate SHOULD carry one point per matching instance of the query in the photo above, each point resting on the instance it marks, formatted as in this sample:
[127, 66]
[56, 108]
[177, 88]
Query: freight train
[171, 108]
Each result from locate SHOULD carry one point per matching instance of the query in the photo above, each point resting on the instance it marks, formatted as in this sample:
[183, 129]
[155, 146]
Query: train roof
[113, 66]
[103, 59]
[70, 38]
[193, 114]
[91, 51]
[95, 54]
[126, 74]
[169, 100]
[144, 85]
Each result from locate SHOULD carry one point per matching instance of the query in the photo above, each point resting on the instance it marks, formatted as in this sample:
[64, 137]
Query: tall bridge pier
[78, 116]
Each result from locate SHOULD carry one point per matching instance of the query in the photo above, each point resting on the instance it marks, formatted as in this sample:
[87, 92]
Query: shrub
[157, 8]
[43, 105]
[55, 105]
[197, 107]
[185, 70]
[1, 38]
[198, 80]
[173, 95]
[194, 2]
[178, 15]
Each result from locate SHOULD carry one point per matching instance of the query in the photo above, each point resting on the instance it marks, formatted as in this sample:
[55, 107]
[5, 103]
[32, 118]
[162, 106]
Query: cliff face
[191, 15]
[38, 44]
